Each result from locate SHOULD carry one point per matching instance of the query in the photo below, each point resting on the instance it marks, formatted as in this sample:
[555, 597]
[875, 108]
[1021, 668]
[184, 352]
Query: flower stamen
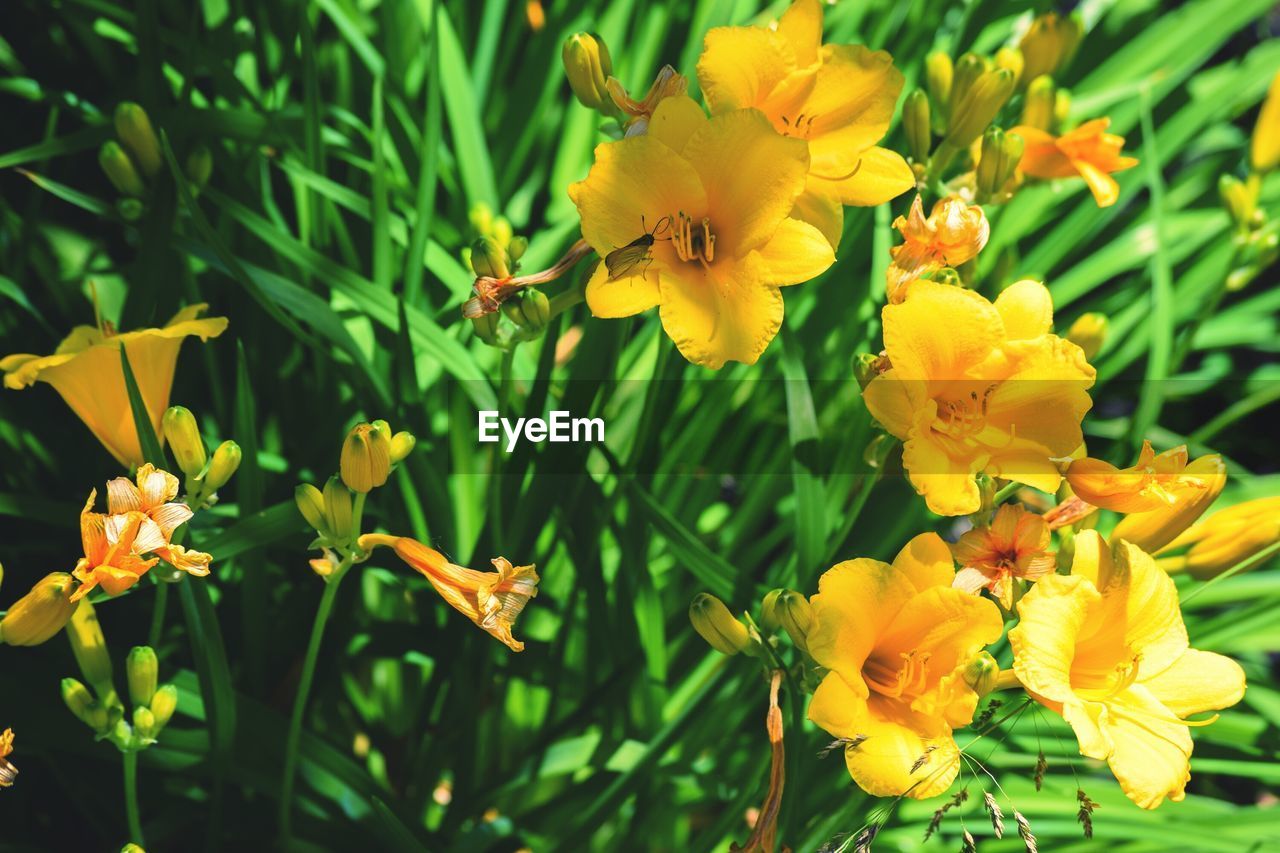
[692, 243]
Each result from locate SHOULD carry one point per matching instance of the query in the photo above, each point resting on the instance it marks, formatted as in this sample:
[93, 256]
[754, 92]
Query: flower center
[963, 417]
[801, 126]
[894, 679]
[693, 242]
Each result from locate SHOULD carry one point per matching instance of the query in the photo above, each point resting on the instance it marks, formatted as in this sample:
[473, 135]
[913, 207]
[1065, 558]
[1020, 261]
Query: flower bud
[144, 724]
[531, 310]
[1240, 198]
[486, 327]
[132, 848]
[915, 120]
[1061, 106]
[142, 669]
[163, 704]
[120, 170]
[517, 247]
[1089, 332]
[130, 209]
[402, 444]
[488, 258]
[1011, 58]
[981, 674]
[79, 701]
[310, 503]
[588, 67]
[1154, 529]
[366, 458]
[795, 615]
[337, 509]
[768, 619]
[1049, 44]
[968, 69]
[1039, 106]
[90, 648]
[183, 435]
[223, 465]
[481, 217]
[867, 367]
[1264, 147]
[41, 613]
[991, 164]
[1225, 539]
[199, 166]
[715, 624]
[979, 105]
[133, 126]
[938, 73]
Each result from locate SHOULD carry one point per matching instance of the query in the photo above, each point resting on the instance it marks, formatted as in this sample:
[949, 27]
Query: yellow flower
[898, 639]
[113, 545]
[978, 387]
[839, 98]
[1016, 545]
[1264, 153]
[41, 613]
[86, 371]
[8, 773]
[1088, 151]
[1224, 539]
[153, 497]
[713, 197]
[1106, 648]
[1154, 481]
[954, 232]
[1049, 44]
[492, 600]
[1198, 486]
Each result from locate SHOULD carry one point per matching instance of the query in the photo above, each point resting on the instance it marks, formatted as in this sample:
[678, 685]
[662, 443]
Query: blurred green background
[350, 142]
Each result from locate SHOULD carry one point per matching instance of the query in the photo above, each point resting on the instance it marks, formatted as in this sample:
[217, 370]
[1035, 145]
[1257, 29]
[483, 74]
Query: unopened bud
[1011, 58]
[144, 724]
[200, 166]
[183, 434]
[981, 674]
[402, 444]
[310, 503]
[337, 509]
[795, 615]
[1038, 107]
[223, 465]
[969, 68]
[78, 700]
[971, 115]
[133, 126]
[946, 275]
[366, 458]
[41, 613]
[991, 166]
[486, 327]
[120, 169]
[90, 648]
[915, 120]
[867, 367]
[130, 209]
[938, 74]
[768, 620]
[1050, 43]
[516, 248]
[531, 310]
[132, 848]
[1061, 106]
[1239, 198]
[1089, 332]
[488, 258]
[588, 67]
[502, 231]
[142, 669]
[481, 217]
[715, 624]
[163, 704]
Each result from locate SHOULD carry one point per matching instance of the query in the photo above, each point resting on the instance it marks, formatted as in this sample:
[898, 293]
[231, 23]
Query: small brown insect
[621, 262]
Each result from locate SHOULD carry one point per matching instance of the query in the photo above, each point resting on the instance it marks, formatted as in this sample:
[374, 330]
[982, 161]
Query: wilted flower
[41, 613]
[153, 497]
[112, 548]
[8, 773]
[1154, 481]
[1088, 152]
[954, 233]
[1014, 546]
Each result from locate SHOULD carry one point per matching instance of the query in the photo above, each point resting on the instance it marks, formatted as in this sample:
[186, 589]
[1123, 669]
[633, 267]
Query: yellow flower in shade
[113, 545]
[1198, 486]
[41, 613]
[712, 197]
[1264, 153]
[153, 496]
[897, 640]
[1106, 648]
[953, 233]
[839, 98]
[86, 371]
[1224, 539]
[492, 600]
[1088, 152]
[978, 387]
[8, 773]
[1154, 481]
[1049, 44]
[1015, 546]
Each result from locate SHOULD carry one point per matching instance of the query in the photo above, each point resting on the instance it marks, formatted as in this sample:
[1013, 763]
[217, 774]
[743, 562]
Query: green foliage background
[350, 140]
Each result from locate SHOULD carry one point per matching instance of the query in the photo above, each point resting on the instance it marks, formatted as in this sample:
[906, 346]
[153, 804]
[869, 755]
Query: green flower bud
[968, 69]
[1010, 58]
[132, 848]
[517, 247]
[915, 120]
[588, 67]
[488, 258]
[133, 126]
[41, 613]
[1061, 106]
[226, 459]
[486, 327]
[1089, 332]
[337, 509]
[310, 503]
[120, 169]
[366, 458]
[90, 648]
[979, 105]
[199, 166]
[1050, 43]
[130, 209]
[78, 700]
[767, 618]
[981, 674]
[502, 231]
[183, 434]
[938, 74]
[867, 367]
[144, 724]
[795, 615]
[402, 445]
[163, 704]
[142, 669]
[481, 217]
[529, 310]
[382, 426]
[1038, 108]
[715, 624]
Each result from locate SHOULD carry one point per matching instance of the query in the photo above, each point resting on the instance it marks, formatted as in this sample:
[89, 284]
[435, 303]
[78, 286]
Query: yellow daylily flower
[1197, 487]
[153, 497]
[86, 371]
[1106, 648]
[1014, 546]
[897, 640]
[837, 97]
[1088, 152]
[113, 549]
[492, 600]
[713, 197]
[1224, 539]
[1264, 151]
[978, 387]
[954, 232]
[1154, 481]
[8, 773]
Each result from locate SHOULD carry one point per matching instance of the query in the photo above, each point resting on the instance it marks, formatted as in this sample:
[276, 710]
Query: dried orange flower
[953, 233]
[1016, 545]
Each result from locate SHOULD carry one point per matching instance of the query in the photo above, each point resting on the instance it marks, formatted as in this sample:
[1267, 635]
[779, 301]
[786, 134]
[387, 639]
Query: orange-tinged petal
[1104, 187]
[621, 297]
[1155, 529]
[795, 253]
[727, 313]
[948, 625]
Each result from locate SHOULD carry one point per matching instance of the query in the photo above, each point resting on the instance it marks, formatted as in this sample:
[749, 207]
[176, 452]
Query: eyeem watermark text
[559, 426]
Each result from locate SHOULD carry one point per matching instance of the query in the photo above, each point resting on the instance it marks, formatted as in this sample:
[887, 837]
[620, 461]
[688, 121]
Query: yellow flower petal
[850, 107]
[912, 339]
[926, 561]
[1264, 150]
[1104, 187]
[1150, 749]
[946, 483]
[898, 740]
[1045, 395]
[742, 67]
[1155, 529]
[856, 600]
[801, 27]
[795, 253]
[1026, 309]
[1197, 682]
[675, 120]
[880, 175]
[822, 210]
[725, 314]
[891, 402]
[1051, 616]
[948, 625]
[622, 297]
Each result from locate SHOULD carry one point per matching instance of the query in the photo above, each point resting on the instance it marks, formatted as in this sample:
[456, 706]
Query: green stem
[130, 757]
[157, 614]
[1005, 493]
[304, 689]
